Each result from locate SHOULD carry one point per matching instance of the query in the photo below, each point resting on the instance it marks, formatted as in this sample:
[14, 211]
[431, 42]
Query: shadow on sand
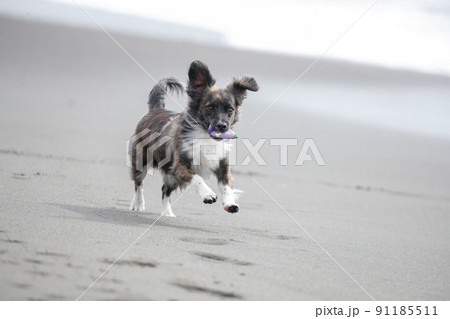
[118, 216]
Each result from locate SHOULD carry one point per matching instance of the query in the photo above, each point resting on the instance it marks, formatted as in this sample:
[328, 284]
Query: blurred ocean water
[399, 34]
[407, 34]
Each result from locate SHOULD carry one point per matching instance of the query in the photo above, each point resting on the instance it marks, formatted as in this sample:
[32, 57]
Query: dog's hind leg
[167, 188]
[138, 202]
[138, 173]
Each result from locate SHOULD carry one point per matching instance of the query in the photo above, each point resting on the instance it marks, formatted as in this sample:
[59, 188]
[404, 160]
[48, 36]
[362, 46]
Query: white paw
[231, 208]
[209, 198]
[168, 213]
[167, 208]
[138, 203]
[229, 198]
[206, 193]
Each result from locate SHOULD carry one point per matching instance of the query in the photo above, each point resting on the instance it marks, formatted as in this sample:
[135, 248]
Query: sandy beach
[372, 223]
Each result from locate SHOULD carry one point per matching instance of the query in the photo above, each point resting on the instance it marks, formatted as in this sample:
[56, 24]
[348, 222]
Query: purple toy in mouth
[225, 135]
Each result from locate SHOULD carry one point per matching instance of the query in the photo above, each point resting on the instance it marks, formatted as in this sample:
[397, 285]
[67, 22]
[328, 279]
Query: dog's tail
[156, 98]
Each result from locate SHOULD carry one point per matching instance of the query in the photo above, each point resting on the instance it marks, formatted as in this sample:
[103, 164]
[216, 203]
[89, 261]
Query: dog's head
[210, 105]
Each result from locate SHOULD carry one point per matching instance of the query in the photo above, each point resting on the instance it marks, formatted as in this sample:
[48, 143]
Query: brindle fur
[207, 105]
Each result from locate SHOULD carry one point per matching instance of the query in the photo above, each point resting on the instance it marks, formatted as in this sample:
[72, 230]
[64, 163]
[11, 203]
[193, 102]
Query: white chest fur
[205, 152]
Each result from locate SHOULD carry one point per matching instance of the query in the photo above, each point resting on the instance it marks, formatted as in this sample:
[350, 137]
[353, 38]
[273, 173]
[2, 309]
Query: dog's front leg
[205, 192]
[225, 182]
[187, 176]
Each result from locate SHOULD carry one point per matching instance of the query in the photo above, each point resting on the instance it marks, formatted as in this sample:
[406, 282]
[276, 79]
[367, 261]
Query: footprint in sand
[222, 258]
[205, 241]
[209, 291]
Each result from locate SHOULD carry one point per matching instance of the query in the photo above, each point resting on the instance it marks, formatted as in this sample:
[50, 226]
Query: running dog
[173, 142]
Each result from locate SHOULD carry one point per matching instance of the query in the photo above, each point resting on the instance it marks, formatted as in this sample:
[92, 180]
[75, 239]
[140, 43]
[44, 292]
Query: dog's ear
[240, 86]
[200, 78]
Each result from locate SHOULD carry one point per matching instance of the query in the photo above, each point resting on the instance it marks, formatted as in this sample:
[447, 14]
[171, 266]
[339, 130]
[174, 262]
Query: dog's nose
[221, 127]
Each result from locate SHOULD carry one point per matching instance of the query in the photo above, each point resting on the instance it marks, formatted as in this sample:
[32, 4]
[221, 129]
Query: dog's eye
[210, 107]
[230, 110]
